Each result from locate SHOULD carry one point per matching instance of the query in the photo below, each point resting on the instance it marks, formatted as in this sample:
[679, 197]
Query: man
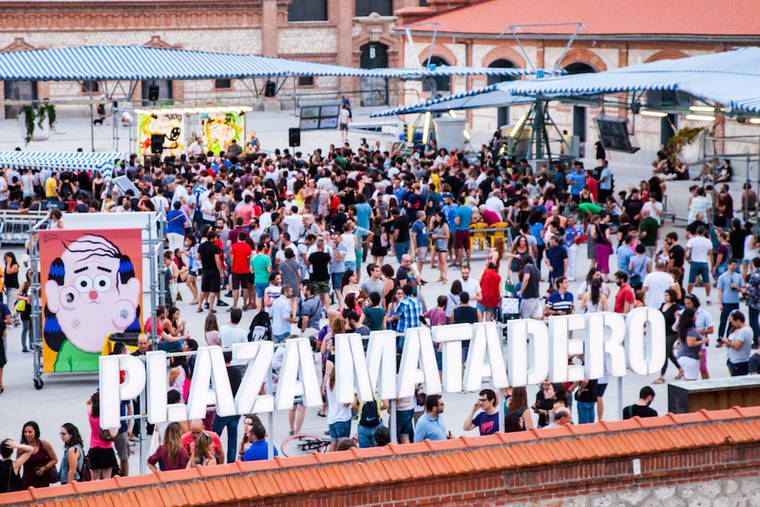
[208, 208]
[245, 210]
[725, 204]
[739, 344]
[676, 253]
[656, 283]
[654, 208]
[354, 326]
[560, 302]
[641, 408]
[573, 237]
[282, 315]
[430, 426]
[420, 239]
[648, 233]
[320, 275]
[462, 232]
[449, 210]
[196, 428]
[700, 206]
[310, 311]
[625, 297]
[576, 180]
[230, 422]
[464, 314]
[699, 251]
[234, 149]
[240, 258]
[495, 204]
[469, 285]
[211, 279]
[556, 259]
[531, 304]
[343, 120]
[175, 227]
[705, 327]
[374, 283]
[752, 293]
[562, 417]
[259, 448]
[486, 421]
[405, 274]
[729, 286]
[338, 254]
[605, 182]
[624, 253]
[262, 268]
[232, 333]
[408, 312]
[401, 240]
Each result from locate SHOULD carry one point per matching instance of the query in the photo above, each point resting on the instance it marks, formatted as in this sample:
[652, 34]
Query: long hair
[210, 324]
[173, 439]
[596, 286]
[202, 448]
[35, 427]
[685, 322]
[519, 399]
[76, 437]
[95, 405]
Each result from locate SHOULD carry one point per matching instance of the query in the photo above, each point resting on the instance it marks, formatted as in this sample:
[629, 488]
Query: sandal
[678, 377]
[659, 381]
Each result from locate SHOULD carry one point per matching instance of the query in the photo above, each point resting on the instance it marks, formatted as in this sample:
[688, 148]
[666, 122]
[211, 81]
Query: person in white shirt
[232, 333]
[494, 203]
[283, 315]
[655, 209]
[469, 285]
[196, 148]
[656, 283]
[698, 254]
[294, 222]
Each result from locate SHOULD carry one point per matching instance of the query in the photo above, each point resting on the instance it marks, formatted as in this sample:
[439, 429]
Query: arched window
[579, 68]
[366, 7]
[502, 113]
[443, 83]
[307, 10]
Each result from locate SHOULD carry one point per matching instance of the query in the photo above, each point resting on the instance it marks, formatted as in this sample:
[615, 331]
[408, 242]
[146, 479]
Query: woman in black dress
[669, 310]
[379, 241]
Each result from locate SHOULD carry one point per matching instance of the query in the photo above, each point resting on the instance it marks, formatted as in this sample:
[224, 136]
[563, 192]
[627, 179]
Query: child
[375, 314]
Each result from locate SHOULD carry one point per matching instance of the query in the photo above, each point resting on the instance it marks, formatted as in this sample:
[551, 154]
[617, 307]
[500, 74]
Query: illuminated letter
[258, 355]
[158, 386]
[210, 370]
[418, 349]
[563, 345]
[450, 337]
[297, 376]
[645, 350]
[485, 339]
[379, 366]
[517, 351]
[111, 393]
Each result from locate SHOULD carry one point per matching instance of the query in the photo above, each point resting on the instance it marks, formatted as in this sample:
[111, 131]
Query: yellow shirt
[50, 187]
[436, 180]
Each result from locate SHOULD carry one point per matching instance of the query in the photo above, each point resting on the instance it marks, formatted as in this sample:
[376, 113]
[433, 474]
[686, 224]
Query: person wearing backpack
[73, 454]
[369, 419]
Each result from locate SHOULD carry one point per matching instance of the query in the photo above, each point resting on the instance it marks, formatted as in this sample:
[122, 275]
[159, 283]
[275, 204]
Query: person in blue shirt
[259, 449]
[561, 301]
[421, 239]
[175, 227]
[449, 210]
[487, 421]
[605, 182]
[730, 286]
[624, 254]
[556, 260]
[462, 231]
[576, 180]
[537, 231]
[430, 426]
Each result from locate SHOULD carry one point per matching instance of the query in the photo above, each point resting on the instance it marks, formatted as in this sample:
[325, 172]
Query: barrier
[15, 225]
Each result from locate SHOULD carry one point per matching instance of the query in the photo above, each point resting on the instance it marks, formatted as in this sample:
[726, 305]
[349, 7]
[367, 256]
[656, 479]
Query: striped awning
[61, 161]
[140, 62]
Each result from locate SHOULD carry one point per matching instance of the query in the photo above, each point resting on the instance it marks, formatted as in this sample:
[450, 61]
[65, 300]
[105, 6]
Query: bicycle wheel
[300, 445]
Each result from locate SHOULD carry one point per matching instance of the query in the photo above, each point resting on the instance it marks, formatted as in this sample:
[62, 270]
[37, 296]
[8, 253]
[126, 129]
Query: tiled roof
[258, 480]
[603, 17]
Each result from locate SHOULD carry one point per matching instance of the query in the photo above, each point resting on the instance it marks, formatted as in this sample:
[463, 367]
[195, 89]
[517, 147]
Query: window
[305, 80]
[579, 68]
[307, 10]
[90, 86]
[502, 113]
[423, 3]
[223, 84]
[443, 83]
[382, 7]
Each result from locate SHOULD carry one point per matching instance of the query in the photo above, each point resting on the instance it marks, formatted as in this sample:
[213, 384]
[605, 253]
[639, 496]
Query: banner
[91, 287]
[168, 124]
[219, 129]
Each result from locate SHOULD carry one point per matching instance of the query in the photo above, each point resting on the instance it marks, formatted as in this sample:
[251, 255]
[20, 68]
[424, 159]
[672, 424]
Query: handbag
[106, 436]
[20, 305]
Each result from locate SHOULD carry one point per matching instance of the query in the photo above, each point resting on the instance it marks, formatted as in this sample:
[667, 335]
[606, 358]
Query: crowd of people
[337, 241]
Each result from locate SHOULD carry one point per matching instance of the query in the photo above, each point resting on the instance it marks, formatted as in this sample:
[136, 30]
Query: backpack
[260, 328]
[85, 474]
[369, 414]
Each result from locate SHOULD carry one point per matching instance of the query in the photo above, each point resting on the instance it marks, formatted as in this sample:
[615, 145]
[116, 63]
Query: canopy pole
[92, 124]
[295, 100]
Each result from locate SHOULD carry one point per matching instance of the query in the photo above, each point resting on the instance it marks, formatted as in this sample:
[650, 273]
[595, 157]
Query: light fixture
[452, 113]
[656, 114]
[466, 135]
[700, 117]
[519, 125]
[756, 121]
[426, 128]
[702, 109]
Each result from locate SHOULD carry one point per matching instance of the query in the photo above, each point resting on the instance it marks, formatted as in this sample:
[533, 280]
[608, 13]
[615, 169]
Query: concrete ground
[63, 397]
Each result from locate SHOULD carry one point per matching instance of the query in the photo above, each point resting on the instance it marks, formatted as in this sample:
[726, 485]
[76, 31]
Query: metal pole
[152, 298]
[270, 417]
[500, 401]
[92, 124]
[393, 423]
[295, 101]
[143, 429]
[620, 403]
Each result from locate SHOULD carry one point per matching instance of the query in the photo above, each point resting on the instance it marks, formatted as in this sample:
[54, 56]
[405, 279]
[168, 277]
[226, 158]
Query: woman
[440, 235]
[520, 250]
[41, 460]
[517, 416]
[722, 255]
[98, 185]
[56, 220]
[273, 291]
[351, 304]
[690, 343]
[9, 468]
[669, 310]
[73, 454]
[179, 375]
[594, 300]
[174, 325]
[393, 309]
[390, 284]
[101, 455]
[193, 263]
[349, 284]
[591, 240]
[170, 273]
[452, 298]
[338, 414]
[379, 241]
[490, 291]
[11, 285]
[26, 313]
[171, 455]
[603, 248]
[248, 422]
[639, 266]
[537, 231]
[544, 404]
[202, 454]
[211, 330]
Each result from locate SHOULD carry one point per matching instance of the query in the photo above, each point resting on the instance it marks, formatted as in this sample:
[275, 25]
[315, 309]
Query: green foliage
[29, 114]
[37, 115]
[683, 137]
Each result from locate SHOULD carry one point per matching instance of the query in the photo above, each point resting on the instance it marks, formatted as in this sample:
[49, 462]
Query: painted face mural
[91, 291]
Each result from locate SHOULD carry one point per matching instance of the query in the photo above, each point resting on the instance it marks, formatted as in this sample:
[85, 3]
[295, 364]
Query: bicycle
[301, 445]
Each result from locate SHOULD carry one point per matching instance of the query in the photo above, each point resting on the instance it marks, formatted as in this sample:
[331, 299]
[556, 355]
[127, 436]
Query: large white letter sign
[418, 350]
[645, 345]
[563, 345]
[517, 351]
[111, 393]
[210, 385]
[158, 386]
[450, 337]
[258, 355]
[614, 343]
[297, 376]
[379, 366]
[485, 341]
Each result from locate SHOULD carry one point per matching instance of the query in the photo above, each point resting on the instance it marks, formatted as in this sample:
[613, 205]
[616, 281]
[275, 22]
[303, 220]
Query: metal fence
[15, 225]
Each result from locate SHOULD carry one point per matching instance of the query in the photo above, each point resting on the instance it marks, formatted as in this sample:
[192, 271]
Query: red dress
[489, 289]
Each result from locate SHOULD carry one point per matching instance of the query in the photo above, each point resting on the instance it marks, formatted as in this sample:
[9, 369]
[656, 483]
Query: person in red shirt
[625, 297]
[490, 291]
[593, 185]
[196, 428]
[245, 211]
[240, 256]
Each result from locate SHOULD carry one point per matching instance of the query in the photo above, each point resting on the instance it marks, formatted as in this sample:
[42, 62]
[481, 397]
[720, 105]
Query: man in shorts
[462, 233]
[420, 239]
[240, 258]
[320, 275]
[211, 279]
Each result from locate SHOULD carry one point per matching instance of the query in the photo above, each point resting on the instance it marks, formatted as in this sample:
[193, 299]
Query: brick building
[614, 34]
[344, 32]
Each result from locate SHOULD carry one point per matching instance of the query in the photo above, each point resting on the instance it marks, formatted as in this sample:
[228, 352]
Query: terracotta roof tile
[225, 469]
[219, 490]
[43, 493]
[413, 448]
[748, 411]
[177, 475]
[458, 443]
[132, 481]
[246, 487]
[332, 477]
[372, 452]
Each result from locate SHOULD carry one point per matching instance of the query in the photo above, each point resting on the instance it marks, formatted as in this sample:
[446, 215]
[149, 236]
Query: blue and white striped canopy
[140, 62]
[61, 161]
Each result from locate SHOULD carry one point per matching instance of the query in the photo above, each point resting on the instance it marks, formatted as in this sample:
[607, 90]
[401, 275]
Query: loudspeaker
[294, 137]
[270, 88]
[153, 91]
[157, 143]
